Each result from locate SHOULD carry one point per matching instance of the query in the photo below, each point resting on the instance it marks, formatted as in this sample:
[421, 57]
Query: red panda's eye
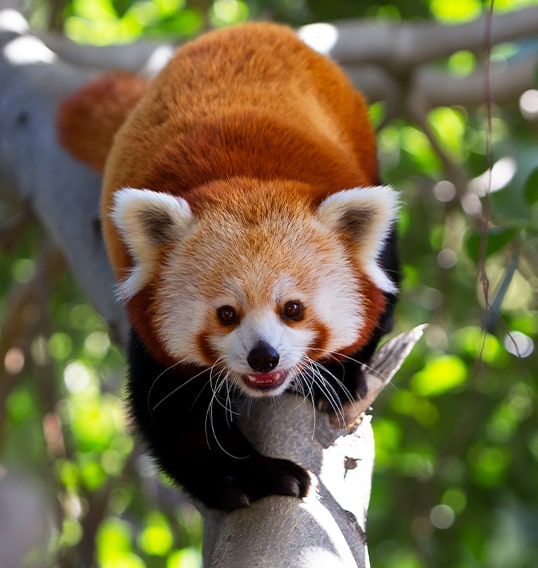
[227, 315]
[293, 310]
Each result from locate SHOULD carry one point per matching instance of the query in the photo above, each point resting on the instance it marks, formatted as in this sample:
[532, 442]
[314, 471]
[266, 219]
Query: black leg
[193, 441]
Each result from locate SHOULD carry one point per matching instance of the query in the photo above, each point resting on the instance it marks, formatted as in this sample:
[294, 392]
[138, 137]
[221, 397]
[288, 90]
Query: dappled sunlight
[495, 179]
[158, 59]
[26, 50]
[528, 104]
[519, 344]
[444, 191]
[321, 37]
[11, 20]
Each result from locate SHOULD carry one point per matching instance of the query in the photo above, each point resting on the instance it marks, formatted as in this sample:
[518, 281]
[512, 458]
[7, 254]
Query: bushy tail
[89, 119]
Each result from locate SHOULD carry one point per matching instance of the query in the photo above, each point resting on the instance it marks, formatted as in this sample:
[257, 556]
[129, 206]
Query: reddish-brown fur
[227, 106]
[89, 119]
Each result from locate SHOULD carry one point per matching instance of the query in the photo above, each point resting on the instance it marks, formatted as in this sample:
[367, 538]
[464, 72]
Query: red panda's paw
[264, 477]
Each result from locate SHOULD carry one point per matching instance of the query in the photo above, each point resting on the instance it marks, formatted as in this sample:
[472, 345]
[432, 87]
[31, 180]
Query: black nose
[262, 357]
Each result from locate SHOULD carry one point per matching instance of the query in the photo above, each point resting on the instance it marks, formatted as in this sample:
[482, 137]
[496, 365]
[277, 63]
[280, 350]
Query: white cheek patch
[181, 312]
[179, 323]
[338, 304]
[137, 278]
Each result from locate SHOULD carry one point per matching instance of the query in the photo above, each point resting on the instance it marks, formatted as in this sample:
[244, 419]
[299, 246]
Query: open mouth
[265, 381]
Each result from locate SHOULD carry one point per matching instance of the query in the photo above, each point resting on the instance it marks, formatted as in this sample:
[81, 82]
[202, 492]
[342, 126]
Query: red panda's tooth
[266, 381]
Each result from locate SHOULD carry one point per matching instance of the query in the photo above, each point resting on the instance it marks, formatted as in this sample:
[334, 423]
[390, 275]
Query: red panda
[253, 243]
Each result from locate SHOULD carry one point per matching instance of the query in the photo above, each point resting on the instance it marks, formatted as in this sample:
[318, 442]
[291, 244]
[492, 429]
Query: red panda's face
[258, 287]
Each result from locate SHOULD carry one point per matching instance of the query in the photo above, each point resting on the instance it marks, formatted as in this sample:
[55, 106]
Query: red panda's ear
[148, 221]
[365, 216]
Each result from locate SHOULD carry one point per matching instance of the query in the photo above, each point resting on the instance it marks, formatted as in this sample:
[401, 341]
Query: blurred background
[456, 476]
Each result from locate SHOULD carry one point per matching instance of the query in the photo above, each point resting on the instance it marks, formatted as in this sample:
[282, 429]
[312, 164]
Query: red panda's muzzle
[263, 359]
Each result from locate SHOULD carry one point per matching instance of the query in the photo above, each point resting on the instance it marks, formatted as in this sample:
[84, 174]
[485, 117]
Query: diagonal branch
[328, 527]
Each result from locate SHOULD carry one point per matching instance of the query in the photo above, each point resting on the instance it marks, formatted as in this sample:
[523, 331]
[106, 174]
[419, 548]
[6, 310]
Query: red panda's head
[259, 282]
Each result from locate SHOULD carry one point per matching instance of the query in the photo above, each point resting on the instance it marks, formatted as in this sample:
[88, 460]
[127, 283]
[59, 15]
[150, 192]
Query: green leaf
[185, 558]
[156, 538]
[113, 539]
[461, 11]
[496, 239]
[439, 376]
[121, 7]
[531, 188]
[449, 125]
[474, 342]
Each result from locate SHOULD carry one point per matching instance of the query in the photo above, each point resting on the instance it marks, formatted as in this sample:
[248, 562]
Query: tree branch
[62, 193]
[144, 57]
[328, 528]
[507, 82]
[375, 55]
[405, 45]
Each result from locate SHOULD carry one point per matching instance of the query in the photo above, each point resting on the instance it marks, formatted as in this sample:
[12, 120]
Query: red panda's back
[251, 101]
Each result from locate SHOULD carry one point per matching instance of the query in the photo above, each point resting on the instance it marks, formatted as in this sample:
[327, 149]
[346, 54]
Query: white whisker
[312, 373]
[340, 383]
[336, 357]
[333, 398]
[176, 389]
[157, 379]
[328, 390]
[221, 382]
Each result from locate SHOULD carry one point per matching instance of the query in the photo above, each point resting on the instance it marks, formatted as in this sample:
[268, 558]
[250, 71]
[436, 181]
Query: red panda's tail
[89, 119]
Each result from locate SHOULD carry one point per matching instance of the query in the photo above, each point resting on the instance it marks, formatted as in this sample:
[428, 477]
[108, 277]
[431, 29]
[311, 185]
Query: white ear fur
[148, 220]
[366, 215]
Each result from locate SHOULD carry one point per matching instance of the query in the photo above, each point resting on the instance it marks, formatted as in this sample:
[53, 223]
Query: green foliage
[531, 188]
[64, 420]
[481, 245]
[109, 21]
[456, 11]
[457, 437]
